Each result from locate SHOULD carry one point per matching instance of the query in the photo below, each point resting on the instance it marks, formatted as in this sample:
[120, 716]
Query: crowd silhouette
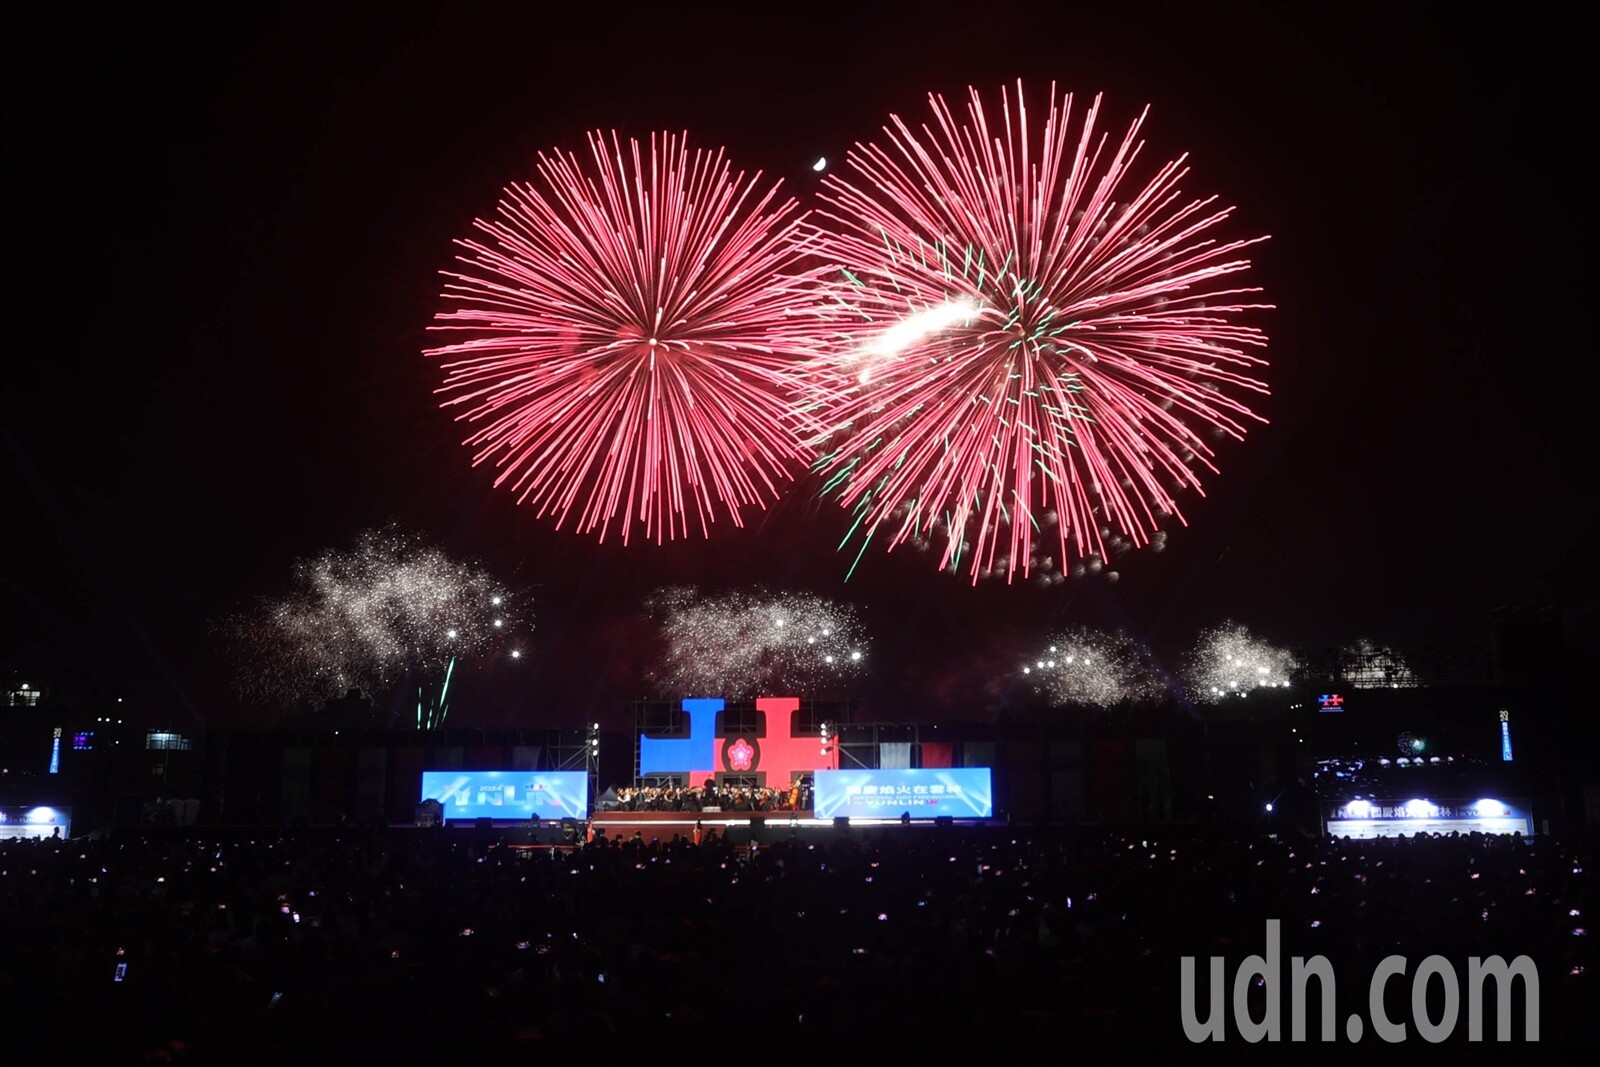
[320, 946]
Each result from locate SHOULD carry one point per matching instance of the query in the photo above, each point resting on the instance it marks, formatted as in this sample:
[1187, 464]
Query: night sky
[224, 226]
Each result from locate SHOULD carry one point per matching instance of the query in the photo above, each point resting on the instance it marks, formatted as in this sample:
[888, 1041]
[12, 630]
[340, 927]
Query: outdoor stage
[744, 825]
[664, 824]
[738, 827]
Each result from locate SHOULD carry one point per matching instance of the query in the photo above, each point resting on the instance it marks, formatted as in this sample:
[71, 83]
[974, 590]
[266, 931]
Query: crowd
[412, 946]
[710, 797]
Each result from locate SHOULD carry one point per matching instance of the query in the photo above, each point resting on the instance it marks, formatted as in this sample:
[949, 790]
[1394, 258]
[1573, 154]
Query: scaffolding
[860, 745]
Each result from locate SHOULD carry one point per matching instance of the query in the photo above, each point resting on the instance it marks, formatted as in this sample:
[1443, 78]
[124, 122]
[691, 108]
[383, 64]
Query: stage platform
[739, 827]
[744, 825]
[679, 821]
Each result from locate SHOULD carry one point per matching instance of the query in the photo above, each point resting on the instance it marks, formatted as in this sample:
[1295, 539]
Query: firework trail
[1044, 568]
[625, 335]
[1089, 668]
[365, 617]
[1021, 326]
[755, 643]
[1229, 661]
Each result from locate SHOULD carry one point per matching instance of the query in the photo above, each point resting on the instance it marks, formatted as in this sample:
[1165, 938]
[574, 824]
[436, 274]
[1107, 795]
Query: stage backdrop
[773, 754]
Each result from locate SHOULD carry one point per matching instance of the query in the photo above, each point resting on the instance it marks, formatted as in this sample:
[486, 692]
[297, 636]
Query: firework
[1022, 326]
[1229, 661]
[625, 334]
[1044, 568]
[1367, 666]
[1412, 746]
[753, 643]
[365, 617]
[1088, 668]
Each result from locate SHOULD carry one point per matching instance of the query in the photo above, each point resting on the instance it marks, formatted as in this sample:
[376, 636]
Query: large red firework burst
[1034, 344]
[626, 331]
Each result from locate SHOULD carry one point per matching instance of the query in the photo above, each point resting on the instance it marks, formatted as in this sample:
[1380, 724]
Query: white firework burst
[1090, 668]
[1228, 661]
[755, 643]
[363, 618]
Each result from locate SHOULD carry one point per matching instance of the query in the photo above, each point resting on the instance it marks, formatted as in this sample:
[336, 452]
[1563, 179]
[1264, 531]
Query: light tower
[592, 764]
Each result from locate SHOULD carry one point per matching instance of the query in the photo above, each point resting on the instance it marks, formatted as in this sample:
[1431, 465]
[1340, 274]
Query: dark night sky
[224, 226]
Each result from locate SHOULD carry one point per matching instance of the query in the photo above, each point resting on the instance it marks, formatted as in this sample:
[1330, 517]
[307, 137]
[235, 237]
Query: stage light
[1358, 809]
[1489, 809]
[1420, 809]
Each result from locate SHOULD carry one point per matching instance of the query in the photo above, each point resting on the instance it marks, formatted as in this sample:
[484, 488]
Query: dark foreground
[934, 946]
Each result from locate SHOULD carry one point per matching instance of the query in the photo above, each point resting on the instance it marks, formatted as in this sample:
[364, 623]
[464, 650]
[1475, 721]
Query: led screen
[1361, 819]
[37, 821]
[962, 793]
[509, 794]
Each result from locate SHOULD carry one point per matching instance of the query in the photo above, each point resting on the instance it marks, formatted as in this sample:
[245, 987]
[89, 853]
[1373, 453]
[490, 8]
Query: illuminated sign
[776, 752]
[509, 794]
[1366, 819]
[83, 741]
[1330, 702]
[55, 752]
[35, 822]
[1505, 736]
[962, 793]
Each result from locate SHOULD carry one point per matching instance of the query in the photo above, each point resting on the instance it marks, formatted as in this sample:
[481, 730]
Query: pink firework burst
[1033, 343]
[626, 332]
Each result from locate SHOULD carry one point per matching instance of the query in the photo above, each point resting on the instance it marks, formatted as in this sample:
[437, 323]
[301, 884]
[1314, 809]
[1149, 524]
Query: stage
[738, 827]
[664, 824]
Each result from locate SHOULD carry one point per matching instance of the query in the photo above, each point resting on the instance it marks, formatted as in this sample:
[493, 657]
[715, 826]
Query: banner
[1154, 780]
[295, 791]
[372, 769]
[402, 786]
[508, 795]
[962, 793]
[37, 821]
[332, 785]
